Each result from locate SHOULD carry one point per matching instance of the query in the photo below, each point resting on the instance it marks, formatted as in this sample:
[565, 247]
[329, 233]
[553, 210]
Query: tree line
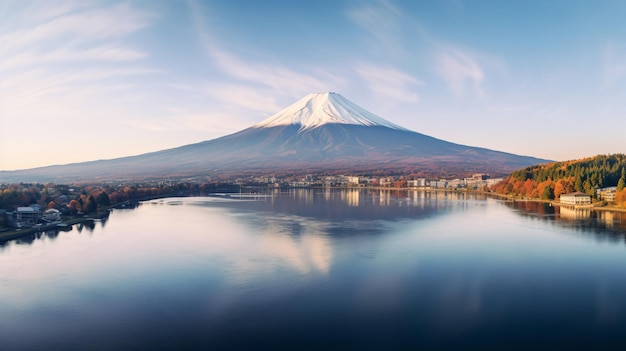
[90, 198]
[549, 181]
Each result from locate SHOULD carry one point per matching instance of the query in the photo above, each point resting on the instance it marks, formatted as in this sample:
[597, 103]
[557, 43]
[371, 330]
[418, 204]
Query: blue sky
[86, 80]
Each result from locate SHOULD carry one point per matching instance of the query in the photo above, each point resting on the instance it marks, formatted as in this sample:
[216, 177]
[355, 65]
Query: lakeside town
[49, 206]
[26, 205]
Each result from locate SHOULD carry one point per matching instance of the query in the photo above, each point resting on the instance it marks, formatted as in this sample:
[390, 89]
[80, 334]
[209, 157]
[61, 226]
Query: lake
[321, 269]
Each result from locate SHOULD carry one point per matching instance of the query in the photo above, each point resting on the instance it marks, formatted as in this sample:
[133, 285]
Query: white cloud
[28, 89]
[390, 82]
[279, 78]
[276, 80]
[69, 62]
[459, 70]
[75, 29]
[39, 55]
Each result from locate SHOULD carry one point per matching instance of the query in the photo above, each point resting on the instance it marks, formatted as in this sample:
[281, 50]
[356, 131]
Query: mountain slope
[322, 132]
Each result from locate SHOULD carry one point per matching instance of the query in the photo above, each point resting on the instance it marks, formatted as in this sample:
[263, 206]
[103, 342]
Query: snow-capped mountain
[317, 109]
[321, 132]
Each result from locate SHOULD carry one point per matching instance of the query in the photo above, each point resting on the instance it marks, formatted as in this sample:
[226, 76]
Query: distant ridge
[320, 133]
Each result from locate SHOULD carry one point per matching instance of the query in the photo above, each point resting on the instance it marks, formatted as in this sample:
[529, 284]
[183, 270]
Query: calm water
[321, 270]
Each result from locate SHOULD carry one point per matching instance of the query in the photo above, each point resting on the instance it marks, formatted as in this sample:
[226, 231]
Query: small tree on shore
[103, 199]
[91, 205]
[548, 193]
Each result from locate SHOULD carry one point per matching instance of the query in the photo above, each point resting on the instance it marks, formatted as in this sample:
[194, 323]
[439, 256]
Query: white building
[455, 183]
[352, 180]
[576, 198]
[384, 182]
[24, 217]
[607, 194]
[438, 184]
[416, 183]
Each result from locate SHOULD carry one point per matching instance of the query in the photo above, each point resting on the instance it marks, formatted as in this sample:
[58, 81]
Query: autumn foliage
[549, 181]
[620, 198]
[90, 198]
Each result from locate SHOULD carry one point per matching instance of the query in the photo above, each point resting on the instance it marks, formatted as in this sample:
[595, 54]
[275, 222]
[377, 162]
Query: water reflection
[322, 268]
[574, 213]
[300, 228]
[362, 204]
[292, 242]
[351, 197]
[311, 252]
[26, 240]
[603, 224]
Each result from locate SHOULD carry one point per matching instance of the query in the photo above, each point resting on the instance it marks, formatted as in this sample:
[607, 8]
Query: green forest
[549, 181]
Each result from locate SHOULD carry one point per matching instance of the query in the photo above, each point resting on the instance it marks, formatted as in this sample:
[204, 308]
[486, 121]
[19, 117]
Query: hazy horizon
[87, 81]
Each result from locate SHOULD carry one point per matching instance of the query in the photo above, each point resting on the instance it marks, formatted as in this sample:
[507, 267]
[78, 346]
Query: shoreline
[69, 223]
[13, 234]
[596, 207]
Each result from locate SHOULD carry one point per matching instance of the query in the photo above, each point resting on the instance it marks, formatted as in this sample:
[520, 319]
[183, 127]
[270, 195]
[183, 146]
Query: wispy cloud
[460, 71]
[39, 55]
[111, 53]
[614, 65]
[279, 78]
[390, 82]
[396, 34]
[40, 10]
[67, 62]
[218, 123]
[274, 79]
[29, 88]
[243, 96]
[76, 29]
[382, 21]
[238, 95]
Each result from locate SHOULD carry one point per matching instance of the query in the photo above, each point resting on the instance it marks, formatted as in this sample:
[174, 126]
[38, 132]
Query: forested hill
[548, 181]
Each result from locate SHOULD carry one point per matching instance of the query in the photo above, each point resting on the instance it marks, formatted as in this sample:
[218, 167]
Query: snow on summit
[317, 109]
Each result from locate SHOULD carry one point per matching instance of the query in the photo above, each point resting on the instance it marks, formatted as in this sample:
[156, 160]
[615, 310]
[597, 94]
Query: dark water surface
[321, 270]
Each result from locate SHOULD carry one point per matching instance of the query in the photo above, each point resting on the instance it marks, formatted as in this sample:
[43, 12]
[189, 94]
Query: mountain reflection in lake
[321, 269]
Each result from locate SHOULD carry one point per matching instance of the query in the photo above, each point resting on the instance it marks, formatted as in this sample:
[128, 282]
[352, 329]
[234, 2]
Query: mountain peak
[317, 109]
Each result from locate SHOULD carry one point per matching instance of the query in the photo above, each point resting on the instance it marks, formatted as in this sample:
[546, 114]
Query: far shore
[594, 206]
[102, 213]
[21, 232]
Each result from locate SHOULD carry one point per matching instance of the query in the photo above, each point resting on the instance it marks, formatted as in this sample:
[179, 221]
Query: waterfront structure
[52, 215]
[24, 217]
[352, 180]
[607, 194]
[438, 184]
[576, 198]
[384, 182]
[416, 183]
